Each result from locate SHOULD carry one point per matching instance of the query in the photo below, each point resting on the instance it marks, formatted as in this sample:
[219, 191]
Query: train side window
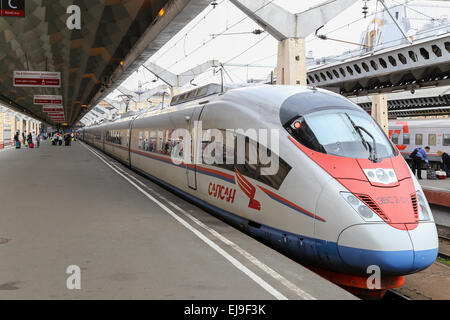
[406, 138]
[141, 140]
[432, 139]
[446, 140]
[252, 170]
[419, 139]
[394, 138]
[152, 141]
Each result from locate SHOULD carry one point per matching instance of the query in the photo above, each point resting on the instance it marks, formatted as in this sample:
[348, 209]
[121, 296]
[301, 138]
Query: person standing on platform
[29, 138]
[17, 140]
[24, 138]
[34, 139]
[60, 139]
[445, 162]
[38, 141]
[417, 156]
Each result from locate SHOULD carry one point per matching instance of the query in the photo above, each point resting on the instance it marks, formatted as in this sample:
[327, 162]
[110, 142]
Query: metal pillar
[291, 30]
[380, 111]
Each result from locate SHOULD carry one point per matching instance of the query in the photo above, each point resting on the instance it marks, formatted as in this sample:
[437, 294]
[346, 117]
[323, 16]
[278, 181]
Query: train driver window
[406, 138]
[446, 141]
[394, 138]
[432, 139]
[419, 139]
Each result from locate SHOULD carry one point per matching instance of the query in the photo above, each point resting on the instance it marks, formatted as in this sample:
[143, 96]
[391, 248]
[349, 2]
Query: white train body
[301, 210]
[410, 134]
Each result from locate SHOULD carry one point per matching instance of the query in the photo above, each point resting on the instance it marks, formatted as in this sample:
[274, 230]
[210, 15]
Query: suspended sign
[12, 8]
[47, 99]
[52, 109]
[41, 79]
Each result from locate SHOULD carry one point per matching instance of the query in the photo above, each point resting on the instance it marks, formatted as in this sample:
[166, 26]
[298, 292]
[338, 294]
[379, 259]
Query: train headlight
[424, 208]
[364, 211]
[380, 175]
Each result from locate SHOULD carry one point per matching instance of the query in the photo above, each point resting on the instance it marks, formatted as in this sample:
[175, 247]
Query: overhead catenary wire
[410, 8]
[362, 18]
[186, 55]
[190, 29]
[252, 46]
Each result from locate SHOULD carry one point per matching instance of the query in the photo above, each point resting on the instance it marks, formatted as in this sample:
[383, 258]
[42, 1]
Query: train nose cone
[365, 245]
[425, 242]
[396, 252]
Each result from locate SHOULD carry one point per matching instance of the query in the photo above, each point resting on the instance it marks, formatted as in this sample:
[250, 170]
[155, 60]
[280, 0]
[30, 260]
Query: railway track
[444, 242]
[415, 288]
[394, 295]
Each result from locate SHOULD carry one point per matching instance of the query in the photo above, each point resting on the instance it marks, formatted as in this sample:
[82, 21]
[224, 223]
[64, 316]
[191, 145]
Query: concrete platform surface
[63, 206]
[438, 185]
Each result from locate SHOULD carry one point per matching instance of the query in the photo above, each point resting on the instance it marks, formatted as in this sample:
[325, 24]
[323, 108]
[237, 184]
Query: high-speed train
[341, 201]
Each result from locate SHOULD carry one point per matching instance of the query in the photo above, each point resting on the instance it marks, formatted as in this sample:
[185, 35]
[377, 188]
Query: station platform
[436, 191]
[64, 206]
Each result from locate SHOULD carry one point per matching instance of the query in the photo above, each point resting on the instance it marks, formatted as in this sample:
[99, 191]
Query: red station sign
[12, 8]
[42, 79]
[47, 99]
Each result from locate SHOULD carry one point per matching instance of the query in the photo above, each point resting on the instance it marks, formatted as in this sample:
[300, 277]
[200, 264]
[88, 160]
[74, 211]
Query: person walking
[24, 138]
[445, 162]
[418, 155]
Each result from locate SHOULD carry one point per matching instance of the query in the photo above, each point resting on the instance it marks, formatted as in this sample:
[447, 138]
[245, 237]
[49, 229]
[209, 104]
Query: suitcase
[431, 174]
[17, 144]
[32, 145]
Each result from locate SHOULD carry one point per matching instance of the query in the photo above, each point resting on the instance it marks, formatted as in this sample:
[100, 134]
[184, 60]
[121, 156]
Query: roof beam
[179, 80]
[282, 24]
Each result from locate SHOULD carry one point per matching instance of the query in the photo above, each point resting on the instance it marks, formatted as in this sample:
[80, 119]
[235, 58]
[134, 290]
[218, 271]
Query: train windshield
[342, 132]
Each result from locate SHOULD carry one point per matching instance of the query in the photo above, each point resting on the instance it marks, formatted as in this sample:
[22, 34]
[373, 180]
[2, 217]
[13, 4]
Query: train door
[196, 135]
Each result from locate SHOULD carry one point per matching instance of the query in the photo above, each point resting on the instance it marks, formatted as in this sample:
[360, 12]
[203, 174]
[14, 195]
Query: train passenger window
[432, 139]
[446, 140]
[252, 166]
[394, 138]
[418, 139]
[406, 138]
[151, 146]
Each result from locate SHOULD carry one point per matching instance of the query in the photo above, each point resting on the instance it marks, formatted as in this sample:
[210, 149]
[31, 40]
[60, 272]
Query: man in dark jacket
[417, 156]
[17, 140]
[445, 161]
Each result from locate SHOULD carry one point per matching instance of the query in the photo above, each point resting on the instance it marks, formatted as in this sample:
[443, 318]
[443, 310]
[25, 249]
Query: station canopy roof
[109, 46]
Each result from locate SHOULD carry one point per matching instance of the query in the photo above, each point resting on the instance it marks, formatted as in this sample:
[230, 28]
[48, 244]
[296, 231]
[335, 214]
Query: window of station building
[432, 139]
[406, 138]
[394, 138]
[419, 139]
[446, 140]
[252, 167]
